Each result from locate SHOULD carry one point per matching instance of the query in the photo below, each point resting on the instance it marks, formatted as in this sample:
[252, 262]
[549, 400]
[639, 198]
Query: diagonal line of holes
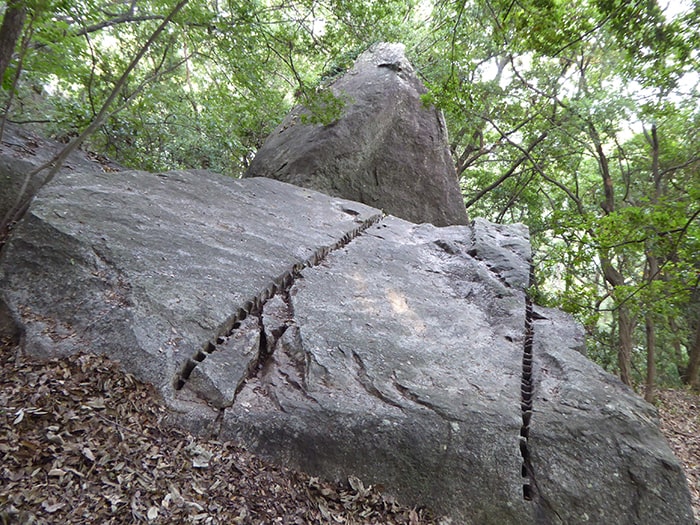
[526, 394]
[254, 306]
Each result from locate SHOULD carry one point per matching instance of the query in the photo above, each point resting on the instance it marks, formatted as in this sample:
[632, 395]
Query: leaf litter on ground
[679, 411]
[82, 442]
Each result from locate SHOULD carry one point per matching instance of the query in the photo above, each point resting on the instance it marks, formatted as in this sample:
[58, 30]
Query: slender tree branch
[121, 19]
[57, 161]
[507, 174]
[454, 39]
[514, 197]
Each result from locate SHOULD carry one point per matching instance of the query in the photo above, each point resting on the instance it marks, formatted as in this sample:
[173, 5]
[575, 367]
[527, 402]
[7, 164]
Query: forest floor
[81, 442]
[680, 423]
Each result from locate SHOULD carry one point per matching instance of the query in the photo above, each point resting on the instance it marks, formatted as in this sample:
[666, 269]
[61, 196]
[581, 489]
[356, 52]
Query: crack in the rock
[526, 392]
[530, 489]
[297, 385]
[473, 253]
[413, 397]
[302, 369]
[368, 386]
[217, 426]
[254, 305]
[265, 351]
[545, 512]
[272, 359]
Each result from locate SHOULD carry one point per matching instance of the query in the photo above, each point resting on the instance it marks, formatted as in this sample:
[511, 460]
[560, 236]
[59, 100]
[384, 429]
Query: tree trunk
[681, 365]
[625, 323]
[612, 275]
[652, 275]
[10, 32]
[693, 373]
[651, 358]
[624, 352]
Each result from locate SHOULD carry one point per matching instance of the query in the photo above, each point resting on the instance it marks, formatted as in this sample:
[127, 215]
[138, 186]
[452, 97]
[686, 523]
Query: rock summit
[388, 149]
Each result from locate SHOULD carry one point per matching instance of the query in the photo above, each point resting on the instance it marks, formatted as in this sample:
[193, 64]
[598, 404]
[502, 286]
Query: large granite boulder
[327, 336]
[388, 150]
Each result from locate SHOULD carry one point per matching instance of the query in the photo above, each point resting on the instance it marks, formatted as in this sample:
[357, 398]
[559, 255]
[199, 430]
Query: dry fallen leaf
[97, 403]
[152, 513]
[88, 454]
[200, 456]
[19, 418]
[53, 507]
[99, 442]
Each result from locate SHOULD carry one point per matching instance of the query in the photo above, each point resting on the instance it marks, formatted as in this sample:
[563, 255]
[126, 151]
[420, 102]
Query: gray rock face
[326, 336]
[145, 256]
[21, 152]
[388, 150]
[617, 444]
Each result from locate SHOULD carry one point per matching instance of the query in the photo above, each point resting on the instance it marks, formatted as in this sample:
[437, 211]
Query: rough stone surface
[619, 473]
[505, 248]
[325, 336]
[390, 385]
[388, 150]
[22, 151]
[162, 260]
[211, 379]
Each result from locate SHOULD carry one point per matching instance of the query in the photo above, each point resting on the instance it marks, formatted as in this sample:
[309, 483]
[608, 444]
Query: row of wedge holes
[251, 307]
[254, 306]
[526, 394]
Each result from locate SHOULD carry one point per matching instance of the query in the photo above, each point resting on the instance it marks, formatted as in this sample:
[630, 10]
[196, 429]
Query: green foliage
[323, 107]
[210, 89]
[545, 100]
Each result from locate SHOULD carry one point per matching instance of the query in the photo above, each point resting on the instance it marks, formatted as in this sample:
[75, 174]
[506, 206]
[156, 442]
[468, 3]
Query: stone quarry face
[327, 336]
[388, 150]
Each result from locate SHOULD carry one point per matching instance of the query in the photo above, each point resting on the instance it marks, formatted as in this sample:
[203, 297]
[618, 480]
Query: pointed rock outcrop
[388, 150]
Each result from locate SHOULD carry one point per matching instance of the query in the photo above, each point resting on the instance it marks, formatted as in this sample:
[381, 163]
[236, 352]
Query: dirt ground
[83, 443]
[680, 423]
